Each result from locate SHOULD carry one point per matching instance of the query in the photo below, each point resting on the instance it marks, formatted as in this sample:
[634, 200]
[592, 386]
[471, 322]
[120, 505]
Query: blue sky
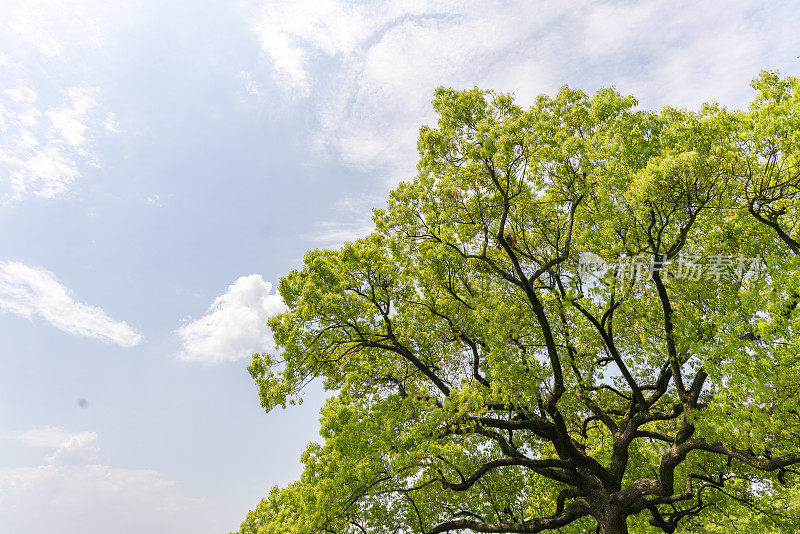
[163, 164]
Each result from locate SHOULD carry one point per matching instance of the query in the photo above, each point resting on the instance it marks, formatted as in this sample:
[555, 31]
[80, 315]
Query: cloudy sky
[163, 164]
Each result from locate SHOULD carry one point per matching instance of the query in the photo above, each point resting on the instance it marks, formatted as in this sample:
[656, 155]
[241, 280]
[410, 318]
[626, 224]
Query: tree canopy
[577, 317]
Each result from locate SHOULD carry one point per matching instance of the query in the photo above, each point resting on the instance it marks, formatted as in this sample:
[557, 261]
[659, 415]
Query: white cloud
[82, 496]
[250, 84]
[33, 291]
[49, 112]
[110, 124]
[370, 68]
[353, 222]
[68, 446]
[42, 152]
[116, 499]
[289, 61]
[235, 325]
[39, 37]
[67, 122]
[335, 233]
[56, 29]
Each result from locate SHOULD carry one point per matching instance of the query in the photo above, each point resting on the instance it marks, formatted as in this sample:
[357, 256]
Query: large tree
[482, 378]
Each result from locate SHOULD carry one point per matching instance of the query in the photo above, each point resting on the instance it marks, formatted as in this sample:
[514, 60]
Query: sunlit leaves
[472, 372]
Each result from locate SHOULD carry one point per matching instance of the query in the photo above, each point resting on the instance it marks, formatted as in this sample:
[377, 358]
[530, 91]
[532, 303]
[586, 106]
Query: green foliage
[480, 381]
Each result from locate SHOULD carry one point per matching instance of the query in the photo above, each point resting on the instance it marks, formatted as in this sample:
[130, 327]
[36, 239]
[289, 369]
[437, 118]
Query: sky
[163, 164]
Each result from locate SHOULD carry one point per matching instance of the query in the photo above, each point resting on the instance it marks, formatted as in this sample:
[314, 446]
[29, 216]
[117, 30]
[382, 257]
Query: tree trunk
[614, 525]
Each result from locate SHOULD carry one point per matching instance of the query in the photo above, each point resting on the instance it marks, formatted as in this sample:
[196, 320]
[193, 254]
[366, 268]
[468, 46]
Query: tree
[483, 378]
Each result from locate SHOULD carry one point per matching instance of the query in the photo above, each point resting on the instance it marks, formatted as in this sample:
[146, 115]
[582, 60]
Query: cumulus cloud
[370, 68]
[235, 325]
[81, 495]
[33, 291]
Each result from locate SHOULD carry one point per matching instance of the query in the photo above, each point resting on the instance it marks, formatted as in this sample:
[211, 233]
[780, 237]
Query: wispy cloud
[235, 325]
[43, 151]
[336, 233]
[79, 494]
[33, 291]
[38, 36]
[65, 445]
[352, 222]
[49, 111]
[370, 68]
[250, 84]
